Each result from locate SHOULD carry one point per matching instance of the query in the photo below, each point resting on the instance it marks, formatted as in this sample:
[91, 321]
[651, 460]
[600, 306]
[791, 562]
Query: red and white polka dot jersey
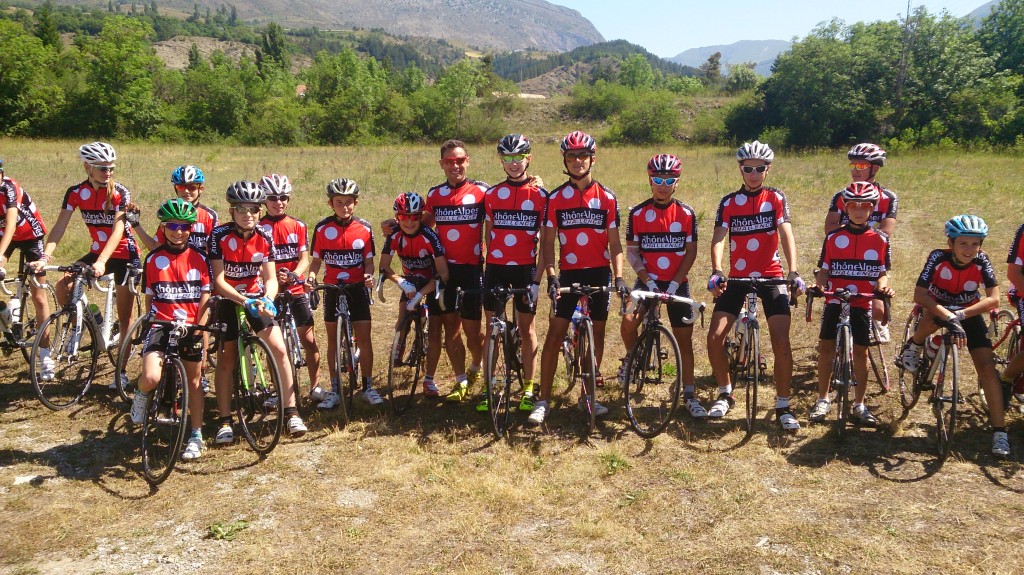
[855, 259]
[753, 220]
[417, 251]
[242, 258]
[956, 286]
[29, 224]
[344, 247]
[514, 213]
[206, 220]
[458, 219]
[662, 232]
[1016, 255]
[99, 216]
[886, 207]
[582, 219]
[177, 280]
[290, 240]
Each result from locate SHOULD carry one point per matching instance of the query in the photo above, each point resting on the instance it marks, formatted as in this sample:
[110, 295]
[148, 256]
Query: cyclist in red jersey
[103, 204]
[23, 229]
[661, 246]
[755, 218]
[866, 160]
[423, 259]
[343, 243]
[583, 216]
[949, 291]
[292, 255]
[513, 211]
[176, 281]
[1011, 376]
[854, 257]
[189, 182]
[244, 274]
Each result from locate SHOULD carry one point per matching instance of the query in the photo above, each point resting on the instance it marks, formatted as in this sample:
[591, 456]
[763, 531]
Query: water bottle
[576, 315]
[931, 346]
[95, 311]
[355, 354]
[5, 317]
[15, 307]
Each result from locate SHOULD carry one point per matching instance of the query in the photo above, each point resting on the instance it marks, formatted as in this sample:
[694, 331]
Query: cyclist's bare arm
[10, 221]
[718, 246]
[204, 312]
[887, 227]
[1015, 273]
[441, 266]
[268, 271]
[832, 220]
[615, 249]
[385, 268]
[314, 267]
[368, 269]
[115, 238]
[788, 245]
[547, 250]
[925, 300]
[147, 240]
[54, 238]
[636, 261]
[985, 304]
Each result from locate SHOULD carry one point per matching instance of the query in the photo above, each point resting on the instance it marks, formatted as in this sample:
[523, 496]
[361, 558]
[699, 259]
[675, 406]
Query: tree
[651, 118]
[46, 27]
[711, 70]
[120, 79]
[233, 18]
[28, 93]
[742, 77]
[459, 85]
[636, 72]
[273, 47]
[195, 59]
[1001, 33]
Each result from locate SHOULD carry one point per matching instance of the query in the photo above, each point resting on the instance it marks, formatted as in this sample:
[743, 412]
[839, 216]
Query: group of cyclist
[512, 227]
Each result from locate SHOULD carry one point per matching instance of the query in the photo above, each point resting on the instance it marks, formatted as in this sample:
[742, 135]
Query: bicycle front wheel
[30, 324]
[876, 360]
[945, 399]
[652, 383]
[63, 360]
[572, 362]
[407, 363]
[842, 380]
[498, 375]
[347, 369]
[129, 360]
[1003, 343]
[258, 395]
[587, 373]
[163, 431]
[910, 392]
[750, 378]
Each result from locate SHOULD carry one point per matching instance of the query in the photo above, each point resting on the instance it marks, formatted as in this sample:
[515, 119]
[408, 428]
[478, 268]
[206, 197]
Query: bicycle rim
[752, 379]
[129, 361]
[258, 396]
[163, 431]
[1003, 347]
[293, 351]
[588, 373]
[347, 372]
[876, 359]
[406, 363]
[498, 376]
[945, 399]
[73, 366]
[652, 387]
[842, 379]
[572, 364]
[910, 392]
[30, 324]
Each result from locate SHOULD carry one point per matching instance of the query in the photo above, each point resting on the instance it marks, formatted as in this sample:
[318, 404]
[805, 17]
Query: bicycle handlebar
[763, 282]
[695, 306]
[845, 295]
[500, 292]
[439, 287]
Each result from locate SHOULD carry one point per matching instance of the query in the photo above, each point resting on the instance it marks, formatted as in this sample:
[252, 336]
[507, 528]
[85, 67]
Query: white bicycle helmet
[755, 151]
[514, 144]
[243, 192]
[342, 187]
[97, 153]
[276, 185]
[867, 152]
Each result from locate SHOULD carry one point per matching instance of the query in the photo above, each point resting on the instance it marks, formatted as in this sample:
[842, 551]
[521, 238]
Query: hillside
[496, 24]
[761, 52]
[521, 66]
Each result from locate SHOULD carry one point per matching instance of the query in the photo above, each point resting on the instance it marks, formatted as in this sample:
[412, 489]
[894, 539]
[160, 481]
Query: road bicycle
[67, 346]
[503, 360]
[289, 330]
[653, 372]
[346, 359]
[22, 325]
[407, 358]
[166, 418]
[941, 374]
[581, 363]
[842, 379]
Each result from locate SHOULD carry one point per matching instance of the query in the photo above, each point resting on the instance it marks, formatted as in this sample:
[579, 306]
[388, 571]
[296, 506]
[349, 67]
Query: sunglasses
[461, 160]
[104, 169]
[860, 205]
[246, 209]
[751, 169]
[577, 155]
[859, 166]
[178, 227]
[277, 198]
[515, 159]
[189, 187]
[664, 181]
[408, 217]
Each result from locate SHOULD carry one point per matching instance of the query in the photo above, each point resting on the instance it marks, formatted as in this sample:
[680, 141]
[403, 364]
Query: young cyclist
[244, 274]
[23, 229]
[854, 257]
[176, 280]
[865, 161]
[344, 244]
[423, 259]
[103, 204]
[512, 223]
[290, 236]
[755, 218]
[1011, 378]
[661, 246]
[584, 216]
[948, 290]
[189, 183]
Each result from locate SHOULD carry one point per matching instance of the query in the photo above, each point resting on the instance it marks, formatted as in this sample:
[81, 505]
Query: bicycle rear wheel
[1003, 345]
[945, 400]
[293, 351]
[499, 372]
[587, 372]
[63, 360]
[258, 395]
[129, 360]
[572, 362]
[876, 359]
[842, 380]
[347, 369]
[407, 362]
[163, 431]
[748, 376]
[30, 324]
[653, 382]
[910, 392]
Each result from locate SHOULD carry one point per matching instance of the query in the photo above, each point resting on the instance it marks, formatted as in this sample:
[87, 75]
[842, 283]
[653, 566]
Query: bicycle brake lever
[380, 288]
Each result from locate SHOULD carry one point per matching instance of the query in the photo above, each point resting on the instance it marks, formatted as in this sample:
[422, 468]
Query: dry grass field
[431, 492]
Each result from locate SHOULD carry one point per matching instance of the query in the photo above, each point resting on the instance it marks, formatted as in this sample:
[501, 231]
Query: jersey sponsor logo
[98, 218]
[343, 258]
[178, 291]
[416, 263]
[242, 271]
[582, 218]
[856, 269]
[663, 242]
[752, 224]
[946, 298]
[454, 215]
[287, 252]
[515, 219]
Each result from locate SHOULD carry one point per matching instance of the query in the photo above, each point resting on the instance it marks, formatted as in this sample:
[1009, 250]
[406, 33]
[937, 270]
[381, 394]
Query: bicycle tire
[876, 360]
[651, 391]
[347, 370]
[910, 392]
[166, 423]
[259, 402]
[129, 360]
[498, 375]
[73, 373]
[1002, 346]
[293, 351]
[407, 362]
[752, 379]
[842, 379]
[945, 401]
[30, 324]
[588, 372]
[572, 364]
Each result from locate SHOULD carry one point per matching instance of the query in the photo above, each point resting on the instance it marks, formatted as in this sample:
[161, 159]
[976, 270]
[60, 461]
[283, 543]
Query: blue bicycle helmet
[966, 225]
[187, 175]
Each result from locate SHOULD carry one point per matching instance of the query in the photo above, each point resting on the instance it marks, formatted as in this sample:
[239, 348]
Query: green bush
[652, 118]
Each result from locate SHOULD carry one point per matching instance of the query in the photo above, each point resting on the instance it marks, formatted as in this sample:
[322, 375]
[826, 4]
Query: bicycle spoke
[166, 423]
[653, 381]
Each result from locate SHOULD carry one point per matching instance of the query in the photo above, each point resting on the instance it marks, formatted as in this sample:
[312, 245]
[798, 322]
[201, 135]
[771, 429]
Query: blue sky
[668, 27]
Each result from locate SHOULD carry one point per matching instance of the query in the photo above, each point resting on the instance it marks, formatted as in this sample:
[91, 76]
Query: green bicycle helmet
[177, 209]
